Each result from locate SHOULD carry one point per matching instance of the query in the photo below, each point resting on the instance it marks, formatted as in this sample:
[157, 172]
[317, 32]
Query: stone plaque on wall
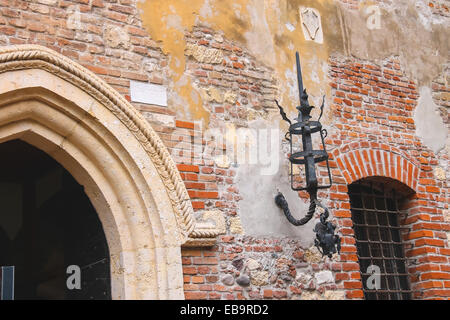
[311, 24]
[148, 93]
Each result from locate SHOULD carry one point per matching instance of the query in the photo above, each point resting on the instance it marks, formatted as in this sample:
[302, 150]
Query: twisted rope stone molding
[38, 57]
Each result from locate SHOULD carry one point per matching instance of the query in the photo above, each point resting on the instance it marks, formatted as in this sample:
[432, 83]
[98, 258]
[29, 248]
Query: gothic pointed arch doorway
[48, 226]
[64, 110]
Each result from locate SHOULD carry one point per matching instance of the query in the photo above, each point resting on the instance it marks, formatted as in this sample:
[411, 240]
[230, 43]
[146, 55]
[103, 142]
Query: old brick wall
[373, 109]
[256, 268]
[374, 106]
[104, 36]
[236, 89]
[372, 133]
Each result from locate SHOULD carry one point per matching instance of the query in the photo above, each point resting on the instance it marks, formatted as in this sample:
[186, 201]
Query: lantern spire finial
[304, 108]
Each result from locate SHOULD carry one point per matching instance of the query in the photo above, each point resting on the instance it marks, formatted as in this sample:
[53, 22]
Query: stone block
[148, 93]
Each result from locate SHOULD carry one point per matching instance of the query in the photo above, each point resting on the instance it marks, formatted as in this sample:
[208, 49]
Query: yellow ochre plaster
[260, 26]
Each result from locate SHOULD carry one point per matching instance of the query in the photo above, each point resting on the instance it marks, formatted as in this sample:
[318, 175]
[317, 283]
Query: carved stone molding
[212, 224]
[37, 57]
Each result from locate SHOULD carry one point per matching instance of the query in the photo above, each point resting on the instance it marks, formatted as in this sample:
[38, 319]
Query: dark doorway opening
[47, 223]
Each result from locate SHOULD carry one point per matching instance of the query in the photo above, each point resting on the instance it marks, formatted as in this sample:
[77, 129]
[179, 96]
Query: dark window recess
[375, 215]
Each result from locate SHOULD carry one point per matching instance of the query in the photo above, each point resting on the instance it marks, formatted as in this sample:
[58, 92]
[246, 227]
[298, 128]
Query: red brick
[198, 204]
[435, 275]
[190, 270]
[195, 295]
[268, 294]
[203, 270]
[420, 234]
[433, 189]
[238, 65]
[211, 261]
[195, 185]
[207, 195]
[190, 176]
[352, 285]
[184, 124]
[191, 253]
[436, 292]
[280, 294]
[355, 294]
[430, 284]
[349, 266]
[188, 167]
[432, 242]
[214, 296]
[207, 170]
[9, 31]
[197, 279]
[341, 276]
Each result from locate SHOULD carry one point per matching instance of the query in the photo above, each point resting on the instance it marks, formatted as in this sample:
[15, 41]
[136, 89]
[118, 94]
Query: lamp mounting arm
[281, 202]
[326, 241]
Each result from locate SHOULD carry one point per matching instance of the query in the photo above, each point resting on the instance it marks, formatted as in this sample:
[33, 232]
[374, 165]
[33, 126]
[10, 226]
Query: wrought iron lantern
[303, 129]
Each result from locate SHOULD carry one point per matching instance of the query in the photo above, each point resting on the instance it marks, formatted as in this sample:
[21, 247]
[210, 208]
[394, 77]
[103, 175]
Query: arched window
[376, 217]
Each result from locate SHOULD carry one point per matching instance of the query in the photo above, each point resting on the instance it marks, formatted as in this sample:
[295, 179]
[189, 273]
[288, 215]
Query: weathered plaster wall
[370, 104]
[223, 63]
[271, 31]
[429, 124]
[259, 26]
[258, 212]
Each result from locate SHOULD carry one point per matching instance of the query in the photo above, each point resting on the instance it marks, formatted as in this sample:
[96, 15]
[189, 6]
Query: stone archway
[65, 110]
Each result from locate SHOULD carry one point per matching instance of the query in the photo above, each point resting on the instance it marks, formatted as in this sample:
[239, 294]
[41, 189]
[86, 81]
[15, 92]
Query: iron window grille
[375, 216]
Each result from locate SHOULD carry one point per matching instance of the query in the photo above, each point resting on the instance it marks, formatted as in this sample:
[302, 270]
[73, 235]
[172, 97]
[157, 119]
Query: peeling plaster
[420, 46]
[259, 26]
[259, 214]
[429, 125]
[271, 31]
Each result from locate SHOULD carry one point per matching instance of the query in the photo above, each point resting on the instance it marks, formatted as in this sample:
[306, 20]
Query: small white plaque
[311, 24]
[144, 92]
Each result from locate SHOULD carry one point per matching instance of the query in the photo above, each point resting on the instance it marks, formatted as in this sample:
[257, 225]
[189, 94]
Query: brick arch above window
[427, 238]
[360, 160]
